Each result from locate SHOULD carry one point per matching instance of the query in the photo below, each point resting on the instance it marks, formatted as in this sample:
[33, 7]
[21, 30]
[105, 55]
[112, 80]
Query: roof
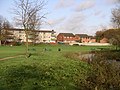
[15, 29]
[67, 34]
[82, 35]
[92, 37]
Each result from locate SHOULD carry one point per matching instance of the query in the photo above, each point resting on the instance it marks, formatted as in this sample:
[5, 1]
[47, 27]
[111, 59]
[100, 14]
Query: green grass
[44, 70]
[6, 51]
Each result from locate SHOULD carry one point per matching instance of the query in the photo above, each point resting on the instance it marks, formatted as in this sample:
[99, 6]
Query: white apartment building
[40, 36]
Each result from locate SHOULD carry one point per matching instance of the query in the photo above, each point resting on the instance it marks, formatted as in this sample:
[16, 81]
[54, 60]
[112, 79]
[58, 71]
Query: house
[65, 37]
[84, 38]
[93, 39]
[81, 38]
[104, 40]
[36, 36]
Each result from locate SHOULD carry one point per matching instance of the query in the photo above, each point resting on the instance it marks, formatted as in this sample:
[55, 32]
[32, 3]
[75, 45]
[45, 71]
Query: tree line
[113, 35]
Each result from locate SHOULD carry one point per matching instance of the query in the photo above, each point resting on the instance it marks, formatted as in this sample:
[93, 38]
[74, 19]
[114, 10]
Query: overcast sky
[72, 16]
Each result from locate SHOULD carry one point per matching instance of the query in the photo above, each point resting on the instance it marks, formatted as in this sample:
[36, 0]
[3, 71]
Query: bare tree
[35, 23]
[116, 16]
[4, 29]
[1, 27]
[29, 15]
[115, 40]
[7, 35]
[0, 32]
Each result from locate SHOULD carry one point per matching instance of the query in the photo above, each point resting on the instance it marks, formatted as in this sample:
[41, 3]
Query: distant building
[38, 36]
[93, 39]
[70, 37]
[84, 38]
[7, 36]
[66, 37]
[104, 40]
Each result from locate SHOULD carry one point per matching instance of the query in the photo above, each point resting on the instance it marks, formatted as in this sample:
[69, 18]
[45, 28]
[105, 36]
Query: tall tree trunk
[0, 38]
[27, 54]
[0, 43]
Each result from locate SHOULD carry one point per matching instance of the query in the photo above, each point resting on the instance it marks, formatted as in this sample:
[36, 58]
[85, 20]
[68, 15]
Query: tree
[113, 35]
[99, 35]
[1, 27]
[29, 15]
[0, 32]
[115, 40]
[35, 24]
[116, 16]
[5, 34]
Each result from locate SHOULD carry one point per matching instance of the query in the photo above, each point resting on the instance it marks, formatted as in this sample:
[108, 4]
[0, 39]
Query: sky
[71, 16]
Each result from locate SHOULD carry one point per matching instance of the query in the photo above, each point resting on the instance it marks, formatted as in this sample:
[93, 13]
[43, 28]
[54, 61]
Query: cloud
[103, 16]
[87, 4]
[64, 4]
[112, 1]
[56, 21]
[97, 12]
[73, 23]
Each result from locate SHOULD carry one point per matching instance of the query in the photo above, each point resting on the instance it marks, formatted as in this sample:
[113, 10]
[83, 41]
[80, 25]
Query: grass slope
[44, 70]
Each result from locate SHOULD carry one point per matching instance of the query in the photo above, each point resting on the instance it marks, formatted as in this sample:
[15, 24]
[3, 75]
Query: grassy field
[6, 51]
[45, 70]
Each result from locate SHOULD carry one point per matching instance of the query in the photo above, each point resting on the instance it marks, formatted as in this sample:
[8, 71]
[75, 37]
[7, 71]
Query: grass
[6, 51]
[44, 70]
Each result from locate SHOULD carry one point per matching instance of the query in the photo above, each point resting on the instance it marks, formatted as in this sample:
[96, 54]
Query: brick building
[84, 38]
[66, 37]
[104, 40]
[70, 37]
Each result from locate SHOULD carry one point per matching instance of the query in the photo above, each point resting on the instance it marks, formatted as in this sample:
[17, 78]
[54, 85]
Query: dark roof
[15, 29]
[67, 34]
[82, 35]
[92, 37]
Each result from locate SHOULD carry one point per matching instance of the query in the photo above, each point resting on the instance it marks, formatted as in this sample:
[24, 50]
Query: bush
[104, 74]
[71, 55]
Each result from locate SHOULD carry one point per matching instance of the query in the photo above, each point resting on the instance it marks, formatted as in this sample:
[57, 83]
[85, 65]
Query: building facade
[65, 37]
[70, 37]
[36, 36]
[84, 38]
[104, 40]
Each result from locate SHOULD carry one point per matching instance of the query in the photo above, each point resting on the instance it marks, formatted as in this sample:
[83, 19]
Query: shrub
[72, 55]
[104, 74]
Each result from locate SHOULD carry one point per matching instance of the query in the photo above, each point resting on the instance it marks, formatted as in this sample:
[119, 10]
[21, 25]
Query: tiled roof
[82, 35]
[92, 37]
[68, 34]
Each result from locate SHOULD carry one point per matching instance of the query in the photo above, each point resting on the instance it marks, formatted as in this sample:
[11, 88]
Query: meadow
[46, 69]
[6, 51]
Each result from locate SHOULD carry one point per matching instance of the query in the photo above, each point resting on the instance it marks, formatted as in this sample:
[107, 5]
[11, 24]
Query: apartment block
[36, 36]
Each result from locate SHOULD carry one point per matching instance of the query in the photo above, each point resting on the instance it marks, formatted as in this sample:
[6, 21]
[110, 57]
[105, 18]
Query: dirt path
[10, 57]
